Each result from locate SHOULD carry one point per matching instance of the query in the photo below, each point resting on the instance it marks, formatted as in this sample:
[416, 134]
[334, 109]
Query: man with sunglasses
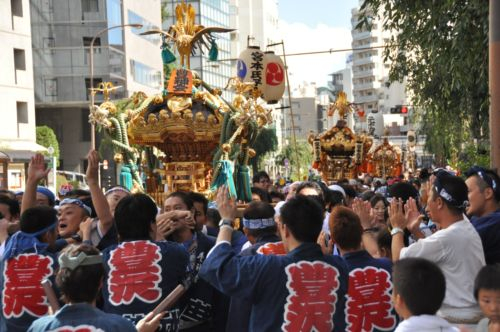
[456, 247]
[484, 209]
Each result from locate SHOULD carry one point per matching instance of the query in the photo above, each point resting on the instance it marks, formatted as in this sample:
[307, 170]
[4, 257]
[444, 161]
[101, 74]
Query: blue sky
[335, 13]
[324, 25]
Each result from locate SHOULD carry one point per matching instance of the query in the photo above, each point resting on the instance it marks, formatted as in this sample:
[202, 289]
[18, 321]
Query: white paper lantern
[274, 75]
[250, 66]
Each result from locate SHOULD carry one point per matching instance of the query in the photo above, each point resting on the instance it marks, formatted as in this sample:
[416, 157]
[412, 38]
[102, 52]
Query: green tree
[305, 159]
[441, 49]
[265, 142]
[46, 137]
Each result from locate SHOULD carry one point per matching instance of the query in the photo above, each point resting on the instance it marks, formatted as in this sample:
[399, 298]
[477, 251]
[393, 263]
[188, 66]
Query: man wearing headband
[26, 262]
[114, 195]
[261, 230]
[80, 276]
[456, 248]
[303, 290]
[72, 212]
[484, 208]
[141, 272]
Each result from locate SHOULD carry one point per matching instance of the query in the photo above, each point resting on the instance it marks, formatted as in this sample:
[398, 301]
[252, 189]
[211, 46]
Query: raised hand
[325, 243]
[37, 169]
[93, 167]
[362, 209]
[396, 214]
[412, 214]
[225, 205]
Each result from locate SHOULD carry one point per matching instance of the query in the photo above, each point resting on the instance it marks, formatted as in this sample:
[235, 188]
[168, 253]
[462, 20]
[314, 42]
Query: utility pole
[494, 82]
[294, 138]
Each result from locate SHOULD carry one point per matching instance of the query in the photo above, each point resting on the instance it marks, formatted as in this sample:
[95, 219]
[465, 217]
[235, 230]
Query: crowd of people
[414, 254]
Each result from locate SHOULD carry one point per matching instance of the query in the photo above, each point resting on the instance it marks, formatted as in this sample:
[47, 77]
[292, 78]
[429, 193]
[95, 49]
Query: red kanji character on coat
[22, 289]
[369, 303]
[134, 273]
[311, 303]
[272, 248]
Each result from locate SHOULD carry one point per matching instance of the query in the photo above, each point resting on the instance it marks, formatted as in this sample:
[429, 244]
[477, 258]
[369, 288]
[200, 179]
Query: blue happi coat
[22, 296]
[82, 317]
[303, 288]
[369, 305]
[139, 275]
[239, 309]
[488, 228]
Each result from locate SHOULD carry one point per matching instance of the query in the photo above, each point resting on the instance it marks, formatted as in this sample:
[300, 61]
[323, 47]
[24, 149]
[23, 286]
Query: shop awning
[20, 150]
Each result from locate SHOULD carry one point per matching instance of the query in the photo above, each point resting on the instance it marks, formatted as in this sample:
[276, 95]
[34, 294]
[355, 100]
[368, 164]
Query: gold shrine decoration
[186, 34]
[341, 105]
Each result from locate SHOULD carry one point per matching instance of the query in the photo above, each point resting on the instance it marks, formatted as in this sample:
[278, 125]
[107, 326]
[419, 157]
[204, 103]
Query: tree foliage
[305, 159]
[265, 142]
[441, 48]
[46, 137]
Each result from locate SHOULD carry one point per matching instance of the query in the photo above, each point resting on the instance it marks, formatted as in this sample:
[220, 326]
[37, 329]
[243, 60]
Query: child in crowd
[419, 289]
[487, 293]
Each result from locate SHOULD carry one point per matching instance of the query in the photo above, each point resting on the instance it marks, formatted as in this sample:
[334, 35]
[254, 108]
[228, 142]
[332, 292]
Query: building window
[133, 18]
[90, 6]
[145, 75]
[51, 87]
[88, 86]
[22, 112]
[19, 59]
[86, 45]
[85, 125]
[16, 7]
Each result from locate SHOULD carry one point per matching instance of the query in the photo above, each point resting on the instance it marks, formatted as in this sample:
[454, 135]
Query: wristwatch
[396, 230]
[226, 222]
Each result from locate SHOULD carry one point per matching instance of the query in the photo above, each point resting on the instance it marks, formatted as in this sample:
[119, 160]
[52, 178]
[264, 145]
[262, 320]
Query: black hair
[384, 239]
[259, 175]
[77, 193]
[349, 190]
[264, 196]
[487, 278]
[134, 215]
[259, 210]
[420, 283]
[199, 198]
[276, 194]
[486, 179]
[184, 196]
[13, 205]
[37, 218]
[380, 198]
[7, 193]
[313, 185]
[303, 216]
[83, 283]
[424, 175]
[456, 189]
[367, 195]
[345, 228]
[334, 198]
[403, 190]
[214, 216]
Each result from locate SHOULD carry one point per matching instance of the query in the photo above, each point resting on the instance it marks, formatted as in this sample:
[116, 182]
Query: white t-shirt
[458, 251]
[425, 323]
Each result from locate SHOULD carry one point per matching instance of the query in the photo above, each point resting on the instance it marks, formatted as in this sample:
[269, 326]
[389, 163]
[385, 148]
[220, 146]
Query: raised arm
[99, 201]
[36, 172]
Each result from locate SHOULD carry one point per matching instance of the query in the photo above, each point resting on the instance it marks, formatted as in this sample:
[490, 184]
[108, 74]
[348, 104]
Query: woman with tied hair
[80, 278]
